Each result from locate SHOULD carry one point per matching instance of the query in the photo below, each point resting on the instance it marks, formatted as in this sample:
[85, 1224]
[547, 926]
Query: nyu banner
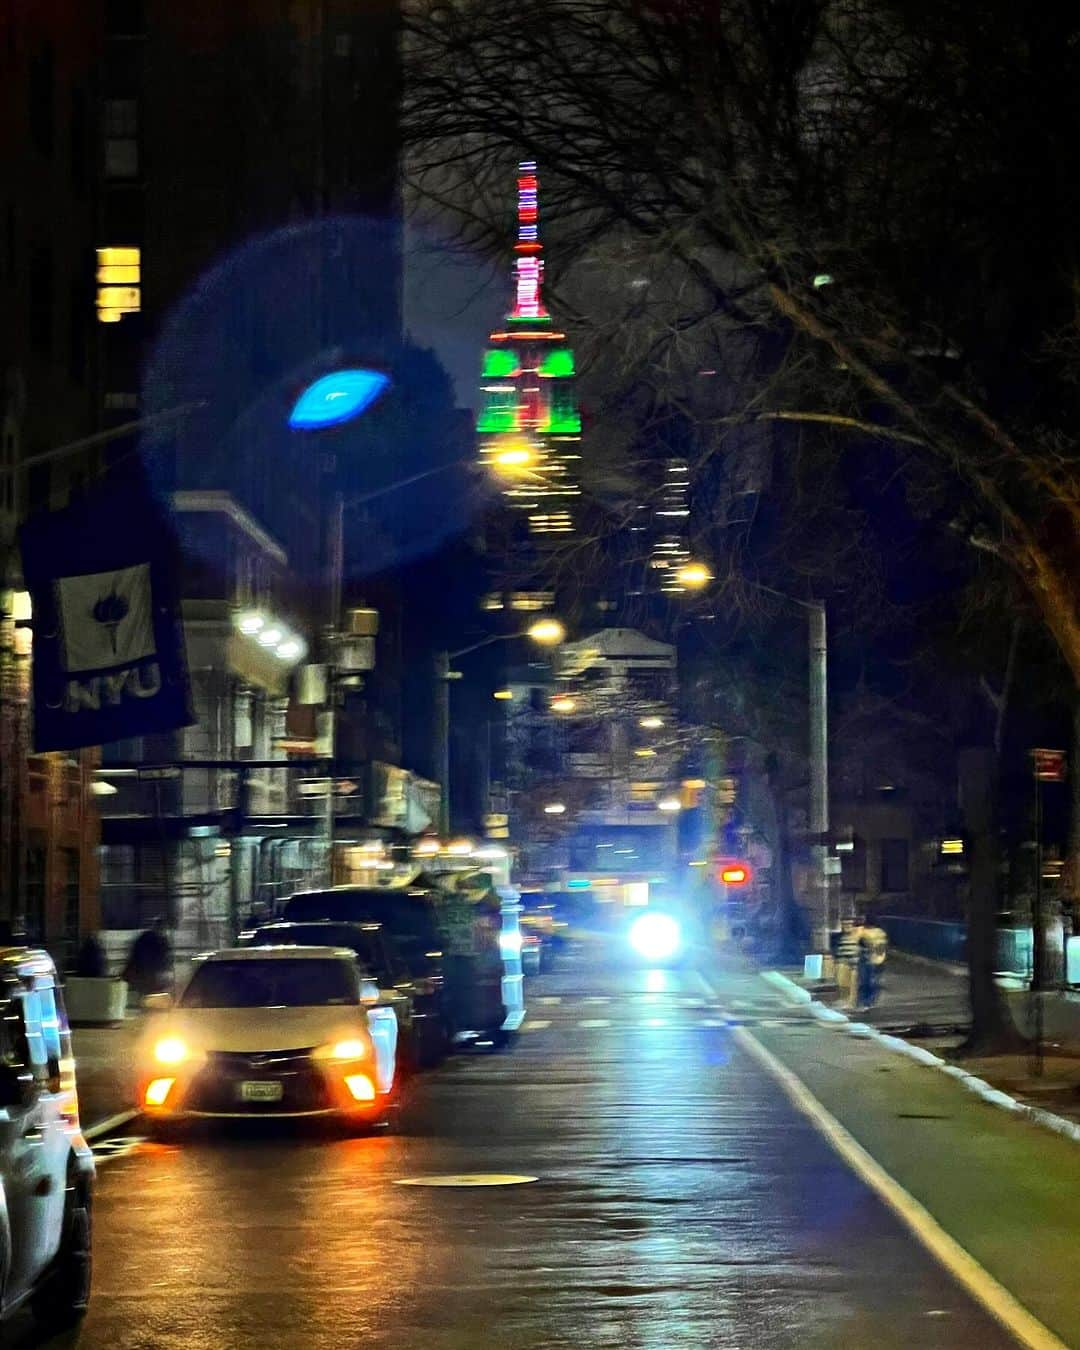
[109, 656]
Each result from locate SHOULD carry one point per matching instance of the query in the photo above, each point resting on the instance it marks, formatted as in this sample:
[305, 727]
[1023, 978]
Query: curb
[106, 1126]
[794, 993]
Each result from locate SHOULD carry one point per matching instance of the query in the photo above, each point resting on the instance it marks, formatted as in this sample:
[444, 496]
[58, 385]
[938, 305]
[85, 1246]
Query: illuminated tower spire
[529, 427]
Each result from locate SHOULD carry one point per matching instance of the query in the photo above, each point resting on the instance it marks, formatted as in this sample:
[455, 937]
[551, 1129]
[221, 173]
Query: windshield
[303, 983]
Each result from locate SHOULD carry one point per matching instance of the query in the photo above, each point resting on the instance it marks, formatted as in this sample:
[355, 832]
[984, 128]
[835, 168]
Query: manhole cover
[468, 1179]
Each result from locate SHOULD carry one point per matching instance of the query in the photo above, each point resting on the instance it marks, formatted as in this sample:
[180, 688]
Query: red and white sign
[1049, 765]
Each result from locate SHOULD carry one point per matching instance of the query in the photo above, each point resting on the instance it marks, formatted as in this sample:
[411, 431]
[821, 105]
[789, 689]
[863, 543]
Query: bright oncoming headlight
[655, 936]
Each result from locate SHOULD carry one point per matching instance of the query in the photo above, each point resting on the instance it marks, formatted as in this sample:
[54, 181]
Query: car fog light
[361, 1087]
[157, 1090]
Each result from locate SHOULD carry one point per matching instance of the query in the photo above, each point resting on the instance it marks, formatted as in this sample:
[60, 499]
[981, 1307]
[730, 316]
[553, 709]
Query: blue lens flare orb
[336, 398]
[655, 937]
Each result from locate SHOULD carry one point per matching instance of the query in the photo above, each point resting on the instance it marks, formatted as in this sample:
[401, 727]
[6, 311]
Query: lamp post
[694, 576]
[548, 632]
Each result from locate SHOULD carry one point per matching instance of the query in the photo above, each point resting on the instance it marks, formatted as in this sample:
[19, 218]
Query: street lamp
[694, 575]
[819, 745]
[563, 704]
[547, 632]
[554, 809]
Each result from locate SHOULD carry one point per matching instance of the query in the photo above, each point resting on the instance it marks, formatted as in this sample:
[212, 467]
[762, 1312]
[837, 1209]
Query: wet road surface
[681, 1201]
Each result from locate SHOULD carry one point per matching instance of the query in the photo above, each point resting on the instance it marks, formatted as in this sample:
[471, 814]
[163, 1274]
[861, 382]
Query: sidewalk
[1006, 1189]
[104, 1068]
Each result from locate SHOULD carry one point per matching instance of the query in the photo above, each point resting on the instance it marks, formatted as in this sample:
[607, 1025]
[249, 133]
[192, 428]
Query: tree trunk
[1070, 880]
[992, 1029]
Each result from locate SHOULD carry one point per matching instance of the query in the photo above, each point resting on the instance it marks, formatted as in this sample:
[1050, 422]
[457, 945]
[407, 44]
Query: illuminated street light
[563, 704]
[503, 695]
[669, 804]
[645, 753]
[694, 575]
[554, 809]
[651, 723]
[549, 632]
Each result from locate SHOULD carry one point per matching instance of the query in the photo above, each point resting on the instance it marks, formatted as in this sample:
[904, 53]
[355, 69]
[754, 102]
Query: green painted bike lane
[1007, 1190]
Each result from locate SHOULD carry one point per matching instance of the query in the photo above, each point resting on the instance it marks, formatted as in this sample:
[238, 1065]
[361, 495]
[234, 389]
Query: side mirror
[16, 1089]
[157, 1002]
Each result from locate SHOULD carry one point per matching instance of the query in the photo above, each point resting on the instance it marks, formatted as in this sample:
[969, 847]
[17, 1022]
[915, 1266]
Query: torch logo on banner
[107, 626]
[109, 659]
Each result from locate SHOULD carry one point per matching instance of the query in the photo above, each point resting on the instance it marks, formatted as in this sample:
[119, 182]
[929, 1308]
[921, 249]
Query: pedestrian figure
[149, 964]
[847, 960]
[873, 950]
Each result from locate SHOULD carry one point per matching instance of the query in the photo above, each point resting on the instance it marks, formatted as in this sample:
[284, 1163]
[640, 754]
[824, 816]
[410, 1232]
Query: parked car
[423, 1041]
[46, 1167]
[270, 1031]
[419, 919]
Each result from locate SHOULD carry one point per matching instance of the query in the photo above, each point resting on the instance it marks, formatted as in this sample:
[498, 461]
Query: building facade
[50, 59]
[199, 213]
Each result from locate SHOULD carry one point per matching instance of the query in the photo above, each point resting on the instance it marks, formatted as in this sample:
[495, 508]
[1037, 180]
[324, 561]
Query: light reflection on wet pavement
[681, 1201]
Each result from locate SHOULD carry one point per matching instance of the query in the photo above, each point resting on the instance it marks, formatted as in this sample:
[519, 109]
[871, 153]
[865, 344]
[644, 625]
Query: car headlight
[172, 1050]
[341, 1050]
[655, 936]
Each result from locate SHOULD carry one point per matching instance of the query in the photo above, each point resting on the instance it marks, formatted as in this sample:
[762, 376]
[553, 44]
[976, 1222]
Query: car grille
[216, 1087]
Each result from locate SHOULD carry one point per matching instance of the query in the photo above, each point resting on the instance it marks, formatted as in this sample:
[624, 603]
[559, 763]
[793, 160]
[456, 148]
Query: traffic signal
[734, 873]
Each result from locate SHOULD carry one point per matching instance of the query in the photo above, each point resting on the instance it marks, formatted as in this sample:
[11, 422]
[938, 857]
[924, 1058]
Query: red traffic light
[735, 873]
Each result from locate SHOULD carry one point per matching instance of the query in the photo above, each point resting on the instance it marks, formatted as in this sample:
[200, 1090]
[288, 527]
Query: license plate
[261, 1092]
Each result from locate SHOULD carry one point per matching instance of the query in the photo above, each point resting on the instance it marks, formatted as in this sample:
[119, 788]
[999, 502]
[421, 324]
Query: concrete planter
[95, 1000]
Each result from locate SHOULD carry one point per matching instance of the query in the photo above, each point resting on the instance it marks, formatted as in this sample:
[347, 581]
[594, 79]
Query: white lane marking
[963, 1267]
[469, 1179]
[590, 1022]
[539, 1025]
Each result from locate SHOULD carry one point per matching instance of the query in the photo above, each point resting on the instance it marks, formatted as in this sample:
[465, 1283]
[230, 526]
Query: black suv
[410, 920]
[422, 1036]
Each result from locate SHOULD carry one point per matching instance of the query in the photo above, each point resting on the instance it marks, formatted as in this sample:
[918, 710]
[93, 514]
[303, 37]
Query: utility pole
[819, 774]
[336, 567]
[442, 738]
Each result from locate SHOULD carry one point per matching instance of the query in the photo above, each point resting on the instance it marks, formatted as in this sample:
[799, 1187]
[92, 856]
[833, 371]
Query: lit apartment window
[118, 274]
